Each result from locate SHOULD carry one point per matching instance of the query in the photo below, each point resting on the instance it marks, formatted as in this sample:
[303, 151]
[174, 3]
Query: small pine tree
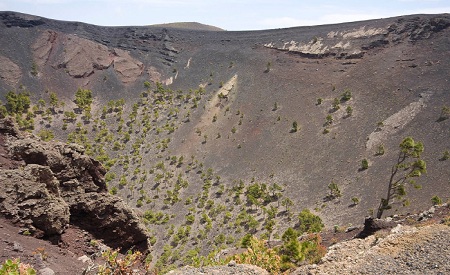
[294, 127]
[349, 110]
[364, 164]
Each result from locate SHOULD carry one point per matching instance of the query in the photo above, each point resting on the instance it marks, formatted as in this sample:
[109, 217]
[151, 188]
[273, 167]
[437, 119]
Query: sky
[232, 15]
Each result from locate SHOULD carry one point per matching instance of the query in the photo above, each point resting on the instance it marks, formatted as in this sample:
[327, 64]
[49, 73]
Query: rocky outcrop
[54, 184]
[10, 72]
[127, 67]
[81, 57]
[30, 197]
[109, 218]
[372, 225]
[354, 43]
[43, 47]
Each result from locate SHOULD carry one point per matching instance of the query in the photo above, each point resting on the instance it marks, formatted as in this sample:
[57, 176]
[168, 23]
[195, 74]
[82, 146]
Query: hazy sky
[229, 15]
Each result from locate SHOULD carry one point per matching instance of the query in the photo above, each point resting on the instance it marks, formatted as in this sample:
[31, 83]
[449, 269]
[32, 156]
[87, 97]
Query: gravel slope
[406, 250]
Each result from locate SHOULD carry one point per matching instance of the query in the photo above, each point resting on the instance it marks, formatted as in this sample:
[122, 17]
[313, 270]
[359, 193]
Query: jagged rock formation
[47, 186]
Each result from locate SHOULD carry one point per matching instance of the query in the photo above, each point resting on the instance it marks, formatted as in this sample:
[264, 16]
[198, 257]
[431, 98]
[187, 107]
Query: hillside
[210, 135]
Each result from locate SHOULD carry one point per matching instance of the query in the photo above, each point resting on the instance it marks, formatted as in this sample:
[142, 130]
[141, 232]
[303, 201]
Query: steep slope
[188, 151]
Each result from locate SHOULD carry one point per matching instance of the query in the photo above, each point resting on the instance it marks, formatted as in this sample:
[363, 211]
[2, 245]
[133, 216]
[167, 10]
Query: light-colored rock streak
[363, 32]
[213, 107]
[188, 63]
[397, 121]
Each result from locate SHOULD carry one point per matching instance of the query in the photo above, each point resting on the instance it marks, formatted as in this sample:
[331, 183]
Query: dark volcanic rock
[12, 19]
[372, 225]
[57, 184]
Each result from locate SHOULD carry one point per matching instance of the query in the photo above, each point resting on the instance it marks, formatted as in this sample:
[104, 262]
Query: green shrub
[114, 264]
[335, 191]
[46, 135]
[336, 103]
[380, 150]
[110, 176]
[349, 110]
[294, 252]
[139, 203]
[14, 266]
[190, 219]
[17, 103]
[445, 113]
[260, 255]
[436, 200]
[446, 155]
[364, 164]
[83, 99]
[294, 127]
[34, 69]
[113, 191]
[308, 222]
[347, 95]
[329, 119]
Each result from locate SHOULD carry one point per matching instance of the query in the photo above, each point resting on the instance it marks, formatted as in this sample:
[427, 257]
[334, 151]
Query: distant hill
[189, 26]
